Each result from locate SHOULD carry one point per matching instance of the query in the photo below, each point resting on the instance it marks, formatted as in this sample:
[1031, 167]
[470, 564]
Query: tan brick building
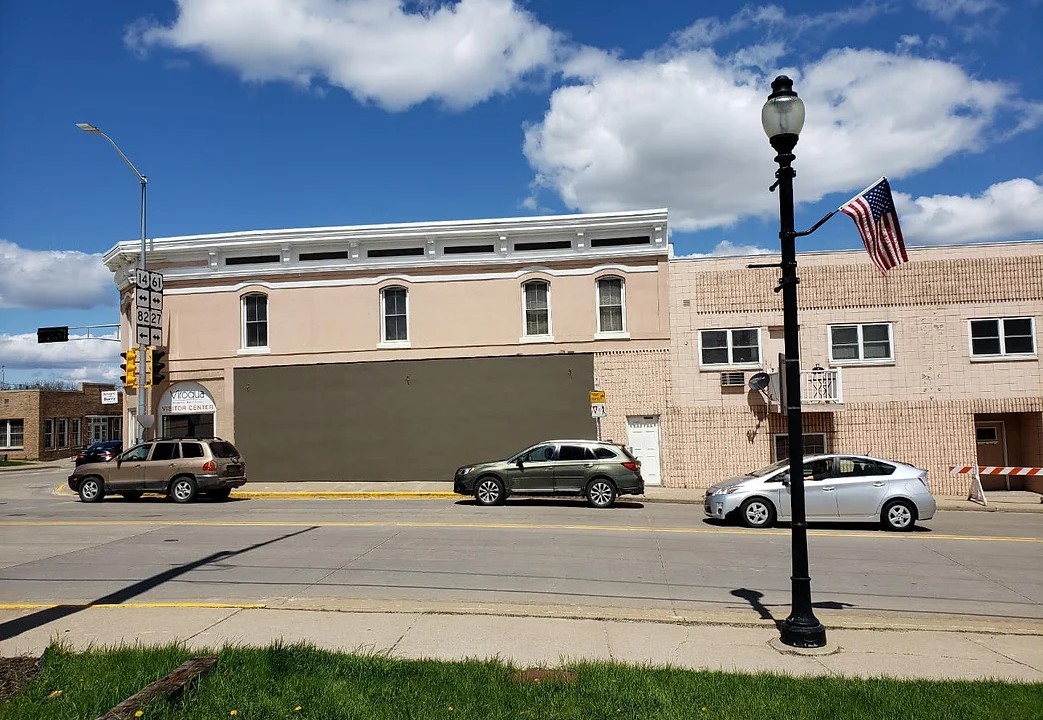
[397, 352]
[54, 424]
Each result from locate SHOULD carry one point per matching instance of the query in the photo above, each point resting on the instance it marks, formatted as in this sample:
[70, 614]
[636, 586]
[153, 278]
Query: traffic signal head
[129, 366]
[156, 366]
[52, 334]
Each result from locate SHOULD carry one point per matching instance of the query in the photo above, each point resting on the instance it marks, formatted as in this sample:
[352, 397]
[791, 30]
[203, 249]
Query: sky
[263, 114]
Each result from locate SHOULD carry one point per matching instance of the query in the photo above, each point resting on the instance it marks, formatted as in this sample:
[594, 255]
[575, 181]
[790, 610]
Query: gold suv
[180, 468]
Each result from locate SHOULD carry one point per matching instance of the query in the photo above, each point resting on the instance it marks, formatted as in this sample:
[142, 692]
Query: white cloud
[45, 279]
[682, 129]
[726, 248]
[93, 360]
[1007, 210]
[949, 9]
[459, 54]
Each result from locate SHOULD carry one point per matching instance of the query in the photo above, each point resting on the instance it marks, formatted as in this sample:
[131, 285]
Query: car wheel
[757, 513]
[221, 494]
[898, 515]
[601, 493]
[490, 491]
[183, 489]
[131, 495]
[91, 490]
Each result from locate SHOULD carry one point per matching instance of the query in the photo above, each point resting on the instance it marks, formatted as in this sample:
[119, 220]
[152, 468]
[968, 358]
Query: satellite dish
[760, 381]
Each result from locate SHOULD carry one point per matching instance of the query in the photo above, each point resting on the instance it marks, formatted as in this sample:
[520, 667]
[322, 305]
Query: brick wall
[35, 407]
[23, 405]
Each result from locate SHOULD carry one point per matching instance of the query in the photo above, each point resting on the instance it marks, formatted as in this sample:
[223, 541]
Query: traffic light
[156, 366]
[52, 334]
[129, 366]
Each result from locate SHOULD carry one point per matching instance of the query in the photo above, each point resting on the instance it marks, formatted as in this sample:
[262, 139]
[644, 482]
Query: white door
[643, 439]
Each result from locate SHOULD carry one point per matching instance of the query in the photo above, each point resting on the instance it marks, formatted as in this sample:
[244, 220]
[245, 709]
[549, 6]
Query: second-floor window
[536, 295]
[611, 305]
[395, 326]
[255, 321]
[730, 347]
[1002, 337]
[868, 342]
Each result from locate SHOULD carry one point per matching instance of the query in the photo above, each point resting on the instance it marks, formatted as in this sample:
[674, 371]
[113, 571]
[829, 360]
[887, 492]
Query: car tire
[131, 495]
[221, 494]
[91, 489]
[489, 490]
[756, 512]
[601, 493]
[183, 489]
[898, 515]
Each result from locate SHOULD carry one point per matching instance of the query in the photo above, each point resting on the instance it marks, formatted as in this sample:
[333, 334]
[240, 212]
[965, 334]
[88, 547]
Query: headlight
[467, 470]
[728, 490]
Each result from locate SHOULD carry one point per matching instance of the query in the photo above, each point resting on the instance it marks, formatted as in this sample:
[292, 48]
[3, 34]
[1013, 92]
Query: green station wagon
[598, 471]
[180, 468]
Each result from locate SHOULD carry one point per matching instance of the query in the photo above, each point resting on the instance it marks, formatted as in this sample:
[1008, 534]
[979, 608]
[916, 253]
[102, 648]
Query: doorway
[990, 438]
[643, 439]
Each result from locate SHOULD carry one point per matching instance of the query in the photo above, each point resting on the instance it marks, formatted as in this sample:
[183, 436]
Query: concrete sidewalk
[534, 637]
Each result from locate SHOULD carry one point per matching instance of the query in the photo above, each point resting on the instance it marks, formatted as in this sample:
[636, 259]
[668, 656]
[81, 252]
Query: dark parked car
[99, 452]
[180, 468]
[598, 471]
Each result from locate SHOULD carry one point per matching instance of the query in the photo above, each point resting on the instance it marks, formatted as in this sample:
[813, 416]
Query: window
[191, 450]
[730, 347]
[74, 432]
[611, 307]
[394, 309]
[63, 436]
[603, 453]
[11, 434]
[536, 294]
[136, 453]
[1003, 337]
[814, 443]
[861, 467]
[166, 451]
[860, 343]
[574, 453]
[255, 321]
[48, 434]
[540, 453]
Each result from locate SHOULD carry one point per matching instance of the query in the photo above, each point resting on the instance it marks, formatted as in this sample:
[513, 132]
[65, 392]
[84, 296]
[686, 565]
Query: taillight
[209, 466]
[632, 465]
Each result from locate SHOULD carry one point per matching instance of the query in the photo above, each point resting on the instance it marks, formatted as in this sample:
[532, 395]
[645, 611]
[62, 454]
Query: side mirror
[519, 462]
[784, 478]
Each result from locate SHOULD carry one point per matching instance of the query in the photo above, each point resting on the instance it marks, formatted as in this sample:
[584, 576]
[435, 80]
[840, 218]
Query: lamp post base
[802, 633]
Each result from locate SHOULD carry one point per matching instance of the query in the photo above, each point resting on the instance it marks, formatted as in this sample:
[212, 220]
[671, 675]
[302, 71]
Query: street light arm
[141, 178]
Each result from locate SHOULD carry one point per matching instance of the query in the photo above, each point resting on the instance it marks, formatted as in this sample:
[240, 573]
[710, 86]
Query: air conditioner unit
[733, 379]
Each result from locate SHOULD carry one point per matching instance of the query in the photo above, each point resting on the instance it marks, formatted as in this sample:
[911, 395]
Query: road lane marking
[509, 526]
[74, 603]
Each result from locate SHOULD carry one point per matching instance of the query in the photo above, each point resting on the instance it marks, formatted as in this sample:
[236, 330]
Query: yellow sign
[597, 396]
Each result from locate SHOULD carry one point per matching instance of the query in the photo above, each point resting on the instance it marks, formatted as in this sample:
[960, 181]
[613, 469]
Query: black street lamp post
[783, 118]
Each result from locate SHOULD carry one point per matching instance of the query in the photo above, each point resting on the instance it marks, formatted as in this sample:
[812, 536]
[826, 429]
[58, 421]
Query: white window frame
[775, 443]
[74, 433]
[602, 334]
[48, 434]
[1003, 354]
[549, 335]
[6, 433]
[255, 349]
[62, 433]
[730, 363]
[384, 342]
[861, 359]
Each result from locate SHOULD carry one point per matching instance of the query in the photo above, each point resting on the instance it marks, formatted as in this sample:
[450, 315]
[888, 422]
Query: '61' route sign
[148, 307]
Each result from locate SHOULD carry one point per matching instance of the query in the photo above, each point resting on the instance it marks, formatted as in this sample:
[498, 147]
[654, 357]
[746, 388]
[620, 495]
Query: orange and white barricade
[975, 491]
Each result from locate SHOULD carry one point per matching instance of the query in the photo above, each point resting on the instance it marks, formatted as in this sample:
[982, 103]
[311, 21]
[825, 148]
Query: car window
[136, 453]
[860, 467]
[540, 453]
[603, 453]
[191, 450]
[818, 469]
[223, 449]
[572, 452]
[166, 451]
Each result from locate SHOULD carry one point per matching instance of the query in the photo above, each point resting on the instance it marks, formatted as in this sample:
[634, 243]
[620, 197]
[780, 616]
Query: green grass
[270, 683]
[13, 463]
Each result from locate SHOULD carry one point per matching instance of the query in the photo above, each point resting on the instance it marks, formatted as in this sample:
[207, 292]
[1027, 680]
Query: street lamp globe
[782, 116]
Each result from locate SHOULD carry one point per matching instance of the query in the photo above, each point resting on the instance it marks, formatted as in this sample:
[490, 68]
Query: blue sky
[253, 114]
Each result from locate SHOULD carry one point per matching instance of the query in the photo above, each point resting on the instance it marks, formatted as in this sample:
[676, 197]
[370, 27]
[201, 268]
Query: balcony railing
[819, 388]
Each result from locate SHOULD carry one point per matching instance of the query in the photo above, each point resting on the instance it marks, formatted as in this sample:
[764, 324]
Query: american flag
[873, 211]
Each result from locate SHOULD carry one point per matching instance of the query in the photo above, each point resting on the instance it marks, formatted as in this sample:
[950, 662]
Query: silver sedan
[837, 488]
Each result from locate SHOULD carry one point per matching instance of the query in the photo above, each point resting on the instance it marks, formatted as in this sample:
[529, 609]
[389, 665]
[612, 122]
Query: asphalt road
[655, 557]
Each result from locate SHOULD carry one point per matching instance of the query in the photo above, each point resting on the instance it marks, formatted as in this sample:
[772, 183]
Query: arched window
[536, 306]
[394, 313]
[255, 320]
[611, 305]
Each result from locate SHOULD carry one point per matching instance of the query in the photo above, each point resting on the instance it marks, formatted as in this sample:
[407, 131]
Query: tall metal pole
[142, 259]
[801, 628]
